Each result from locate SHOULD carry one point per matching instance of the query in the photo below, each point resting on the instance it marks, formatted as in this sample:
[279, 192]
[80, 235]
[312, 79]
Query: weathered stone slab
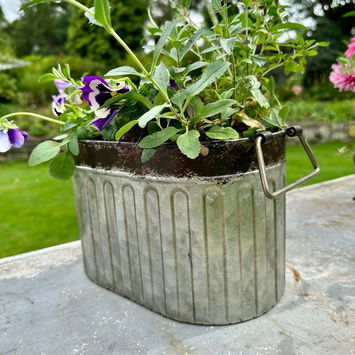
[48, 306]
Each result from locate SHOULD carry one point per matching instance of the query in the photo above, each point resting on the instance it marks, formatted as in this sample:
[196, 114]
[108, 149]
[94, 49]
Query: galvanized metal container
[196, 241]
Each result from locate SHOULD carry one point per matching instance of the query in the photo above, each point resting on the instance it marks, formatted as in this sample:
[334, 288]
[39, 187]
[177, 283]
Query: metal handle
[264, 137]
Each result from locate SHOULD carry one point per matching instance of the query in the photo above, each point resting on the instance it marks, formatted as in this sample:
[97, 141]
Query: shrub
[8, 88]
[335, 111]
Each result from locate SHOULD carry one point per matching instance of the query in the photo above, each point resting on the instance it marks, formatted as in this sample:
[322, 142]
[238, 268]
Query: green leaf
[189, 144]
[324, 44]
[217, 107]
[258, 96]
[34, 2]
[213, 71]
[196, 65]
[311, 53]
[197, 105]
[161, 76]
[292, 66]
[156, 139]
[192, 41]
[43, 152]
[259, 60]
[102, 13]
[92, 19]
[179, 98]
[124, 129]
[251, 122]
[66, 70]
[350, 14]
[148, 116]
[160, 45]
[62, 166]
[288, 26]
[60, 137]
[227, 94]
[284, 111]
[216, 5]
[47, 77]
[224, 133]
[271, 84]
[122, 71]
[147, 154]
[274, 119]
[74, 145]
[131, 95]
[69, 124]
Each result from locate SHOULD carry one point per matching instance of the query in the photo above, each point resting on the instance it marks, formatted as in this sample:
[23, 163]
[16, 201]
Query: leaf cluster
[205, 82]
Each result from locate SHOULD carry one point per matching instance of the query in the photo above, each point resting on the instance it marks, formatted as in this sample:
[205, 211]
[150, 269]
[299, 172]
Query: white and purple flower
[58, 100]
[12, 137]
[61, 85]
[96, 91]
[58, 104]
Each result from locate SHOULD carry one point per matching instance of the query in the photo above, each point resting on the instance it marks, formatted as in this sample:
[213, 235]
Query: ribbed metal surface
[194, 250]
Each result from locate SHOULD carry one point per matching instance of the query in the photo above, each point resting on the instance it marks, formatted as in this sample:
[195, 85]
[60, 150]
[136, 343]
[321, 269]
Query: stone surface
[48, 306]
[322, 132]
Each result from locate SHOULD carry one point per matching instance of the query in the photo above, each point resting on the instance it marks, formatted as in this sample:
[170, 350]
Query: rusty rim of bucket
[231, 157]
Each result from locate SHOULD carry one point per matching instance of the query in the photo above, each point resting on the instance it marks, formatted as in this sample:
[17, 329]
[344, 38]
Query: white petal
[92, 99]
[95, 83]
[5, 144]
[102, 113]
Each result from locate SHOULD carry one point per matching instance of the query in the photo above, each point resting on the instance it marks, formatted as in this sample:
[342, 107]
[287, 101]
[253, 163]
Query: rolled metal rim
[224, 158]
[205, 143]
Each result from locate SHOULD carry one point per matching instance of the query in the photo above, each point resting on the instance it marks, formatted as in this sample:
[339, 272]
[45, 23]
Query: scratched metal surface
[197, 251]
[48, 306]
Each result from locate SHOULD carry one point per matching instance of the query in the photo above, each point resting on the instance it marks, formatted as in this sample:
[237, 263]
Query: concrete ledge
[48, 306]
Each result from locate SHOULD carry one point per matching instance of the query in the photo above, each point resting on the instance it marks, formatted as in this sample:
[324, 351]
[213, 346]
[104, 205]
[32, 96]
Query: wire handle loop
[265, 137]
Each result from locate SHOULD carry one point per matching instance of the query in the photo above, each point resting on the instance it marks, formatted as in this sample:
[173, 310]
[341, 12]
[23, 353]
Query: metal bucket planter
[198, 240]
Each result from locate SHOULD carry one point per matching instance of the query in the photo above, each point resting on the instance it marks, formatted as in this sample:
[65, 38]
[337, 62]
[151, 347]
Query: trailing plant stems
[45, 118]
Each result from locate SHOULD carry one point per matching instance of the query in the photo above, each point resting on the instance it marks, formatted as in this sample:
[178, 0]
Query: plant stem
[211, 13]
[149, 76]
[81, 6]
[45, 118]
[143, 69]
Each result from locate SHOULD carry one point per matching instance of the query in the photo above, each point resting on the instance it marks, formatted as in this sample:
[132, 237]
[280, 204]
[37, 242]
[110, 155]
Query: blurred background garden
[38, 211]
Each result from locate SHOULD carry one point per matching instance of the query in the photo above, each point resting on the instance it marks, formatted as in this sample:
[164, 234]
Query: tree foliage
[5, 40]
[331, 27]
[128, 19]
[40, 30]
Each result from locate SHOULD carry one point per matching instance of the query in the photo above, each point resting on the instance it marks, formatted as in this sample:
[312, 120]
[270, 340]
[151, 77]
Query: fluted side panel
[110, 196]
[193, 250]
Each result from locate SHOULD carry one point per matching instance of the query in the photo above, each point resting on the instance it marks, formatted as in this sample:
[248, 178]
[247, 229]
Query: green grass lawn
[332, 164]
[38, 211]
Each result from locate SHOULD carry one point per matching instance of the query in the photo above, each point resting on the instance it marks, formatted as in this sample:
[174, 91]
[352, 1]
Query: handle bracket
[263, 138]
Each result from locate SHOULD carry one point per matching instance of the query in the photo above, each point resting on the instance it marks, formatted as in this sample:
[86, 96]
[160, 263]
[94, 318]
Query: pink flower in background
[342, 80]
[297, 89]
[351, 49]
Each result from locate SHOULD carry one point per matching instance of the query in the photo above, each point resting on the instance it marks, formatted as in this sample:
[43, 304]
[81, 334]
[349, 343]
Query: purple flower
[58, 104]
[96, 91]
[13, 137]
[103, 117]
[61, 85]
[173, 84]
